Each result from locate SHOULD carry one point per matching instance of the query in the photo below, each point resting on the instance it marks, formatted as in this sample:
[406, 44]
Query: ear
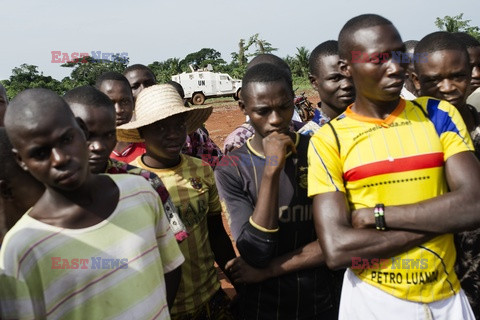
[344, 67]
[416, 82]
[241, 105]
[313, 81]
[5, 190]
[19, 160]
[82, 126]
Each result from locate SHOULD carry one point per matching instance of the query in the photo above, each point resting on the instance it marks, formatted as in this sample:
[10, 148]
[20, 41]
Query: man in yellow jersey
[392, 164]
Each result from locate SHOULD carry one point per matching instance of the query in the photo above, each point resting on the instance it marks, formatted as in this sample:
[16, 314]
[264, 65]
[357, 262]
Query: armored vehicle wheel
[198, 98]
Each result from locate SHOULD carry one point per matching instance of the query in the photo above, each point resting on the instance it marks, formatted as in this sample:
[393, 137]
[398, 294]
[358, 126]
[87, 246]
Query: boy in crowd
[473, 48]
[97, 113]
[162, 121]
[446, 76]
[198, 143]
[336, 92]
[398, 166]
[117, 88]
[408, 91]
[239, 136]
[66, 229]
[269, 211]
[139, 77]
[18, 189]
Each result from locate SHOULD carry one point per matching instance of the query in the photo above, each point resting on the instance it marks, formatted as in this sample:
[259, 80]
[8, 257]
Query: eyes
[459, 77]
[162, 128]
[263, 111]
[335, 78]
[43, 152]
[94, 136]
[66, 139]
[125, 102]
[40, 154]
[146, 84]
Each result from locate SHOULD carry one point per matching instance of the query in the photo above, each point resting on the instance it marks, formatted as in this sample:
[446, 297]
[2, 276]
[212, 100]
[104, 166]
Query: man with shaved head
[65, 230]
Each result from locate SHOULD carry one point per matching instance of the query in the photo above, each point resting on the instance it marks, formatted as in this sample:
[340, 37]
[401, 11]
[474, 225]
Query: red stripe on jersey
[425, 161]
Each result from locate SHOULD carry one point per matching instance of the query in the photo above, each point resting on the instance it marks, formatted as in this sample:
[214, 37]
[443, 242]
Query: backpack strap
[335, 134]
[421, 109]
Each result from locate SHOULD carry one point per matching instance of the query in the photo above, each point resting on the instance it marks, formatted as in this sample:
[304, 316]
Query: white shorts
[361, 300]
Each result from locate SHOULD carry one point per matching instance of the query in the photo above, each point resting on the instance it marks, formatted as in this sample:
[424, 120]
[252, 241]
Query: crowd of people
[110, 207]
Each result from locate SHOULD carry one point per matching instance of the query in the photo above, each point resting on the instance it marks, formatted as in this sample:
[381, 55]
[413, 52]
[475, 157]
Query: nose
[446, 86]
[96, 145]
[395, 67]
[174, 132]
[346, 84]
[476, 72]
[59, 157]
[118, 108]
[275, 119]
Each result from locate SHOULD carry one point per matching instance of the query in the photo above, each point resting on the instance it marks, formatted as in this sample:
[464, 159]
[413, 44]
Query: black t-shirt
[306, 294]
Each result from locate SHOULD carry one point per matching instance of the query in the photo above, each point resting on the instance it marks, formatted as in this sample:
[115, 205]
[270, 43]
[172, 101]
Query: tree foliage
[166, 69]
[263, 46]
[457, 24]
[299, 63]
[27, 76]
[87, 70]
[203, 58]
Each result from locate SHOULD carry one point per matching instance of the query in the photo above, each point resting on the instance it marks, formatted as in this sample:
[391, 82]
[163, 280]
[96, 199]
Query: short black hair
[7, 158]
[357, 23]
[272, 59]
[439, 41]
[327, 48]
[88, 95]
[410, 45]
[111, 75]
[266, 72]
[468, 40]
[139, 66]
[29, 105]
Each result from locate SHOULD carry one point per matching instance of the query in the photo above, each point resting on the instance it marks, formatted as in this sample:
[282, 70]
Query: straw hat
[156, 103]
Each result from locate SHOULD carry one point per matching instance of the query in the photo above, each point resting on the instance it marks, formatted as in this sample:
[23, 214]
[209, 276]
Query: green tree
[262, 46]
[299, 63]
[27, 76]
[203, 58]
[457, 24]
[164, 70]
[87, 70]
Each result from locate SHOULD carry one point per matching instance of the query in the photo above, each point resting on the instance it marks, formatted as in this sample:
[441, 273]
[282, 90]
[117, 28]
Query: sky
[149, 30]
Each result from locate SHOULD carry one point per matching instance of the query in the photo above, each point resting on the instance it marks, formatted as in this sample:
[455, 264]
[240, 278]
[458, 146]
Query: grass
[301, 85]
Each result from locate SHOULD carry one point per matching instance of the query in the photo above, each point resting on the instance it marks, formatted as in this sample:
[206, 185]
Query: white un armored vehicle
[204, 83]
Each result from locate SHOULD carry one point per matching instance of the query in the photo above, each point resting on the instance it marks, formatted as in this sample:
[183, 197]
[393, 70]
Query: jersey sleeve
[257, 247]
[450, 127]
[325, 172]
